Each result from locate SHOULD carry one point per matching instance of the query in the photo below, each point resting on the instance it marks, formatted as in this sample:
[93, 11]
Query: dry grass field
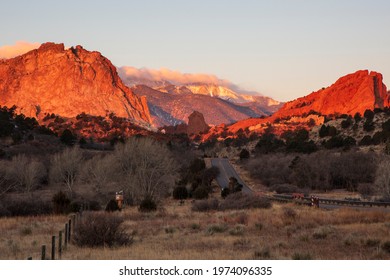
[285, 231]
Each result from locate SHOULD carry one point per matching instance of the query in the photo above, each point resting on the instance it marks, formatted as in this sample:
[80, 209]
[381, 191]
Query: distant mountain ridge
[170, 104]
[172, 109]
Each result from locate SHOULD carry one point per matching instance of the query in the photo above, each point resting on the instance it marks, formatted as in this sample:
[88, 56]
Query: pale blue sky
[283, 49]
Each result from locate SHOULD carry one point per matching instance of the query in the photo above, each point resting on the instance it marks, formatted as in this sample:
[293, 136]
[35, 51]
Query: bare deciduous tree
[147, 166]
[65, 167]
[382, 178]
[25, 173]
[100, 171]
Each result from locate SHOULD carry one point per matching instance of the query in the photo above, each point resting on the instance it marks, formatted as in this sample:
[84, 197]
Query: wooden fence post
[69, 230]
[53, 247]
[60, 244]
[66, 235]
[43, 252]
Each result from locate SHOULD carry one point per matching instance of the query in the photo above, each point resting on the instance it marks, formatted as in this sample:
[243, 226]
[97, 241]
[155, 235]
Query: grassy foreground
[285, 231]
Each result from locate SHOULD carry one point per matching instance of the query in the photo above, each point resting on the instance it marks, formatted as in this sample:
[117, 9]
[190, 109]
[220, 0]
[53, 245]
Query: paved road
[226, 170]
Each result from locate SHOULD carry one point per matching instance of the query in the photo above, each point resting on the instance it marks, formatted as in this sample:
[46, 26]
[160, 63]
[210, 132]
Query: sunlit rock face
[350, 94]
[67, 82]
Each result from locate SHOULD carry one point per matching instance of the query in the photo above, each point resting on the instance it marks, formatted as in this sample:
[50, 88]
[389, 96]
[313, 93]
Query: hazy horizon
[281, 49]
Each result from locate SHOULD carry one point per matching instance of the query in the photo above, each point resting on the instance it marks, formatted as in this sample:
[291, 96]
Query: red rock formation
[350, 94]
[67, 82]
[196, 123]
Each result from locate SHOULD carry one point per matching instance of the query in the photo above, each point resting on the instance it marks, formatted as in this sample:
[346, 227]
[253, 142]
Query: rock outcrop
[350, 94]
[67, 82]
[196, 123]
[353, 93]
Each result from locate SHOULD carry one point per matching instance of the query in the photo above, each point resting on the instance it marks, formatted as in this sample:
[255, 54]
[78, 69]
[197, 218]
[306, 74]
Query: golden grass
[22, 237]
[281, 232]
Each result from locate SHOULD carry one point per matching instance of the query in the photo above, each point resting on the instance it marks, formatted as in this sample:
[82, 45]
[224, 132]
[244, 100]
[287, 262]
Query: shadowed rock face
[67, 82]
[350, 94]
[196, 123]
[172, 108]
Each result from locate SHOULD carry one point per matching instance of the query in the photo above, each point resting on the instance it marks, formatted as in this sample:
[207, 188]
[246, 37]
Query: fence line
[64, 239]
[289, 198]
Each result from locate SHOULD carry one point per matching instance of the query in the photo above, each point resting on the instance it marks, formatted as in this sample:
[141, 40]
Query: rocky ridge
[67, 82]
[350, 94]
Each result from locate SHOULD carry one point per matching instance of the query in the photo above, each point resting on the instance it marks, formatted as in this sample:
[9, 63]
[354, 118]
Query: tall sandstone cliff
[67, 82]
[350, 94]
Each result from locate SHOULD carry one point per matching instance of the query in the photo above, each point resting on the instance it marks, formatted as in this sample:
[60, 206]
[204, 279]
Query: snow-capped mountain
[172, 96]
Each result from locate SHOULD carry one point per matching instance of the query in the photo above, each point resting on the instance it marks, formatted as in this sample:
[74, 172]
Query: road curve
[226, 170]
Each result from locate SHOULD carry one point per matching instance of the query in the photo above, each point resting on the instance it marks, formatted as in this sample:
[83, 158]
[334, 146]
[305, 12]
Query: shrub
[195, 226]
[386, 125]
[61, 203]
[180, 192]
[209, 174]
[197, 165]
[4, 211]
[268, 143]
[147, 205]
[225, 192]
[289, 213]
[244, 154]
[378, 138]
[324, 131]
[301, 256]
[369, 115]
[28, 207]
[349, 142]
[234, 186]
[242, 218]
[201, 192]
[244, 201]
[75, 206]
[237, 230]
[366, 141]
[368, 126]
[94, 205]
[101, 229]
[372, 242]
[271, 169]
[332, 131]
[346, 123]
[357, 117]
[205, 205]
[262, 254]
[216, 228]
[68, 138]
[112, 206]
[366, 190]
[386, 246]
[26, 231]
[284, 188]
[322, 232]
[79, 205]
[334, 142]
